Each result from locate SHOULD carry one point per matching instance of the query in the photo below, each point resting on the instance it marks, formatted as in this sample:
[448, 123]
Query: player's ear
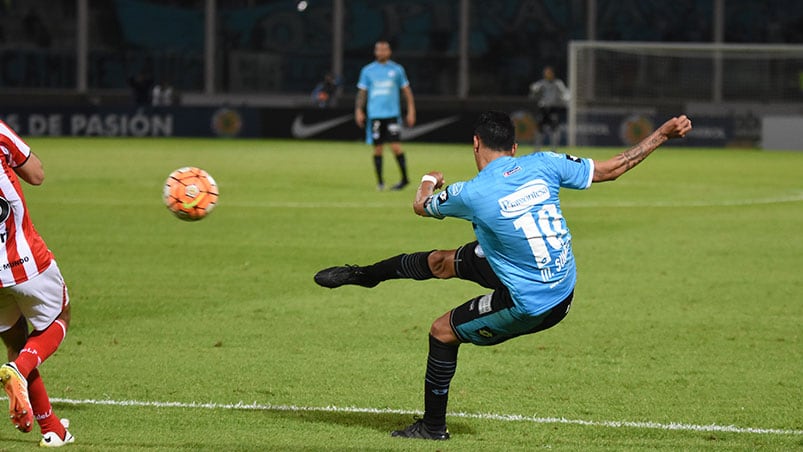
[476, 144]
[514, 149]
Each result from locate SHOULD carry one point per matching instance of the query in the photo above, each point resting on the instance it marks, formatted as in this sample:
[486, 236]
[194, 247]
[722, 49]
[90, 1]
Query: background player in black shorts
[378, 100]
[551, 96]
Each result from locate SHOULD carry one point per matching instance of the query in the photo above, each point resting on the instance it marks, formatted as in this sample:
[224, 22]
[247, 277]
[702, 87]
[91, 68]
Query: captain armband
[432, 208]
[428, 203]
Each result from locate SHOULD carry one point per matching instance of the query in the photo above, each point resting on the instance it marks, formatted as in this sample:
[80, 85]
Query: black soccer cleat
[400, 185]
[339, 276]
[420, 430]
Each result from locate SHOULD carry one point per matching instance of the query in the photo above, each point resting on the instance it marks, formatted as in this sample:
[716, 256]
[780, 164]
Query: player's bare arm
[611, 169]
[359, 107]
[31, 171]
[408, 95]
[429, 183]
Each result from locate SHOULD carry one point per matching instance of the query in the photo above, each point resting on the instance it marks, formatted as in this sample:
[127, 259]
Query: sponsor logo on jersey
[455, 188]
[5, 209]
[16, 263]
[511, 172]
[528, 195]
[573, 158]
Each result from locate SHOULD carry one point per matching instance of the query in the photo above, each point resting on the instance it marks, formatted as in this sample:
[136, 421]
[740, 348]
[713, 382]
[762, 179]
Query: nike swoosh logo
[423, 129]
[301, 130]
[190, 205]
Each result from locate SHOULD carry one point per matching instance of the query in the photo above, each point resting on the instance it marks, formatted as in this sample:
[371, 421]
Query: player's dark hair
[496, 130]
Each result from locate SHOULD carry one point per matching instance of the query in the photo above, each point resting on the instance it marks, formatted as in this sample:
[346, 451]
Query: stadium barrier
[599, 127]
[781, 133]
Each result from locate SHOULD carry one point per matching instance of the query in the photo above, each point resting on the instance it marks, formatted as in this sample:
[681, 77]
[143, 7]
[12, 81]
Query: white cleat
[51, 439]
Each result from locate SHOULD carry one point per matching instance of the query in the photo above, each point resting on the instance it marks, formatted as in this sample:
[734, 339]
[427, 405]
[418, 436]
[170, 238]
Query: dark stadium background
[261, 59]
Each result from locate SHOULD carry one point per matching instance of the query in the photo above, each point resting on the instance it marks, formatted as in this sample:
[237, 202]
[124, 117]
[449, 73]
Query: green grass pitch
[685, 332]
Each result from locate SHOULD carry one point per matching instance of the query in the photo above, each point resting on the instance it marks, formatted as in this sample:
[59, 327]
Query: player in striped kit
[31, 290]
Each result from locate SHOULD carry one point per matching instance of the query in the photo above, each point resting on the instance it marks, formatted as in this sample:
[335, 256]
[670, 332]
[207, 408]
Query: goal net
[650, 78]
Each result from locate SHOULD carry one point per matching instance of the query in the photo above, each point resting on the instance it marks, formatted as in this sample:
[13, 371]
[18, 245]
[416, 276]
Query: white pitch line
[486, 416]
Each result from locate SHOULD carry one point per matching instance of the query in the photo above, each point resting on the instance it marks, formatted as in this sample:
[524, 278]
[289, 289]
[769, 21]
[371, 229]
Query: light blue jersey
[514, 207]
[383, 82]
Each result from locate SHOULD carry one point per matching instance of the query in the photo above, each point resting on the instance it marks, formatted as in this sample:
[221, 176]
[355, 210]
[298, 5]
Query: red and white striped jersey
[23, 252]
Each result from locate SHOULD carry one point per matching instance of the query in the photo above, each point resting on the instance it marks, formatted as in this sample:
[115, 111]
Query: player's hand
[359, 118]
[439, 177]
[676, 127]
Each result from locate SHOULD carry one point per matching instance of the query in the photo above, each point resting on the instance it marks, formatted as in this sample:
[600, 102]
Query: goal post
[658, 77]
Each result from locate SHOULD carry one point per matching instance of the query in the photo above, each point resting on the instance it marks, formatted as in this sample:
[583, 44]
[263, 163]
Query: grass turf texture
[687, 310]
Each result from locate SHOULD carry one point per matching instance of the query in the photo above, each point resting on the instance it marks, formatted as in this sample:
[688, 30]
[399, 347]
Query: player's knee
[441, 330]
[438, 329]
[441, 263]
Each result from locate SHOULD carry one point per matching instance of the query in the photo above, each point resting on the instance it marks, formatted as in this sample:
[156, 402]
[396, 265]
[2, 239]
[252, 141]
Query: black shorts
[548, 117]
[492, 319]
[470, 264]
[384, 130]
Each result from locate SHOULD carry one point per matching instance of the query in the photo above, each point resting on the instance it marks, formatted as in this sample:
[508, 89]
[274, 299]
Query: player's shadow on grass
[381, 422]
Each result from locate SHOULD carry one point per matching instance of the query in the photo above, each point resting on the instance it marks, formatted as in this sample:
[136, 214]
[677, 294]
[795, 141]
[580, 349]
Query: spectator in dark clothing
[141, 88]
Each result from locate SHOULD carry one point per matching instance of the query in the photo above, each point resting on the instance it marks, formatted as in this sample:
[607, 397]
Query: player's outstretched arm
[611, 169]
[429, 183]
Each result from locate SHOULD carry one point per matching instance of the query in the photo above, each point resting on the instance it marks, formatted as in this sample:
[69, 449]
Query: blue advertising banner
[131, 122]
[446, 126]
[627, 129]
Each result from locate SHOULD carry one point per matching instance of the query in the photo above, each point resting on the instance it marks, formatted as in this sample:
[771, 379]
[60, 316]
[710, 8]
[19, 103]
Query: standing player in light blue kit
[378, 87]
[524, 252]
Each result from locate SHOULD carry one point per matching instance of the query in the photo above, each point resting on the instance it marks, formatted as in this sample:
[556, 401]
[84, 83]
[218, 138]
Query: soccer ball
[190, 193]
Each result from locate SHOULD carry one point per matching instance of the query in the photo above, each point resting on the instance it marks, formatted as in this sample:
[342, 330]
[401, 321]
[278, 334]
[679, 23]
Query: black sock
[410, 266]
[402, 166]
[378, 168]
[441, 365]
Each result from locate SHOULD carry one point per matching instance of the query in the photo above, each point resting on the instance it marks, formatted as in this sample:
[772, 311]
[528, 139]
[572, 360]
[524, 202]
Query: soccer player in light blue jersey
[378, 109]
[524, 251]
